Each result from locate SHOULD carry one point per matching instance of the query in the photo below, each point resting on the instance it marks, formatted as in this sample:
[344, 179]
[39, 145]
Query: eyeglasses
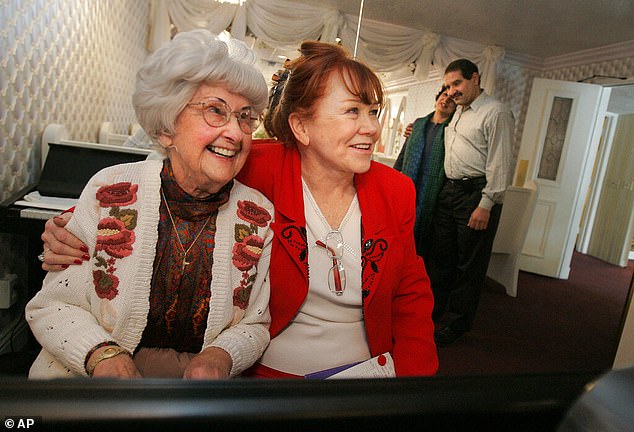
[217, 113]
[337, 273]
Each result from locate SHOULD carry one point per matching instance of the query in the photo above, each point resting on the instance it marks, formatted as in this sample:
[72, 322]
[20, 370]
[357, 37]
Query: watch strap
[110, 352]
[95, 348]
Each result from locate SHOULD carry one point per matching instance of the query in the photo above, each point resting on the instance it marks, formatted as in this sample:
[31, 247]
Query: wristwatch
[111, 351]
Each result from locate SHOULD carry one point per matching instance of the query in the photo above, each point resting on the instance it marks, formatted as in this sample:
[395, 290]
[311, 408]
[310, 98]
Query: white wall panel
[65, 61]
[62, 61]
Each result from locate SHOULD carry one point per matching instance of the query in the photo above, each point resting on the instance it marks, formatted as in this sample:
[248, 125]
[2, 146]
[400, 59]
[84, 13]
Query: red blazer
[397, 298]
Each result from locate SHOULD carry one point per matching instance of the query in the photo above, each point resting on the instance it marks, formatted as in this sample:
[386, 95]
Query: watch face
[107, 353]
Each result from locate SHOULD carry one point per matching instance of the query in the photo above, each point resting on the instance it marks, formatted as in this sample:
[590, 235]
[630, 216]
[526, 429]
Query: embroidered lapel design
[295, 242]
[373, 252]
[290, 223]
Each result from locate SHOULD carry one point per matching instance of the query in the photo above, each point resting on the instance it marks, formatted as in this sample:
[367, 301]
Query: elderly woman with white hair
[177, 283]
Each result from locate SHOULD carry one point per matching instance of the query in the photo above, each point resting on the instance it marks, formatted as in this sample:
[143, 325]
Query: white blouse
[328, 329]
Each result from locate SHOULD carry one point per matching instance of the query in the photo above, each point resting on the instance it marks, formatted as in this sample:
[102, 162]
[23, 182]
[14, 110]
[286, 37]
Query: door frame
[586, 177]
[596, 182]
[561, 268]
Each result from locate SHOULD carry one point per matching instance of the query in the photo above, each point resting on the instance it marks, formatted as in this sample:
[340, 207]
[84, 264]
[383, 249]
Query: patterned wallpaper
[618, 67]
[74, 61]
[63, 61]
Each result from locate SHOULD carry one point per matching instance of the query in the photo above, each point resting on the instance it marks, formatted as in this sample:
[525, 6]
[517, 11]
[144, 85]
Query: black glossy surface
[514, 403]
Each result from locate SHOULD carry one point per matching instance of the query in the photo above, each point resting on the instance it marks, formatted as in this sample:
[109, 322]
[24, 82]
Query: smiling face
[445, 105]
[463, 91]
[205, 158]
[339, 137]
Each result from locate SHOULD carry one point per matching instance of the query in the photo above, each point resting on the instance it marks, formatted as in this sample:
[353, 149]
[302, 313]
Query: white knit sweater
[108, 298]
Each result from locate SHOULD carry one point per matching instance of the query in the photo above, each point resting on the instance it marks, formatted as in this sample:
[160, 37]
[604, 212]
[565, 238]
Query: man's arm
[499, 171]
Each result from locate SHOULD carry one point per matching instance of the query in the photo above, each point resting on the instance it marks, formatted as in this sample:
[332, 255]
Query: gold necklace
[180, 243]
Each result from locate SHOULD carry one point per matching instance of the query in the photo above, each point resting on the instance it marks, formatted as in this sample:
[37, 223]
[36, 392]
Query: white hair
[171, 75]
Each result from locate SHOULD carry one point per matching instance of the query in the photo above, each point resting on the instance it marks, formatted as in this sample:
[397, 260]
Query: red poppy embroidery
[253, 213]
[119, 194]
[248, 248]
[114, 238]
[105, 284]
[247, 253]
[241, 296]
[115, 235]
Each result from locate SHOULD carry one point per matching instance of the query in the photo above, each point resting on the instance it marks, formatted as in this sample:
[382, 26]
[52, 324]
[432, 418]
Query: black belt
[469, 183]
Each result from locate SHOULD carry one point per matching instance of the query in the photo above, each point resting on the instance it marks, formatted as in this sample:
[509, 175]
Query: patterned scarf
[179, 300]
[425, 166]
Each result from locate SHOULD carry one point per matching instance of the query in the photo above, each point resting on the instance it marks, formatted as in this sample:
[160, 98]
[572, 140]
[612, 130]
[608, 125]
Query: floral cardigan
[117, 218]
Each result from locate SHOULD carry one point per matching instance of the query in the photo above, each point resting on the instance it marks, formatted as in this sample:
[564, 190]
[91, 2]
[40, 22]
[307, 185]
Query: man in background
[478, 169]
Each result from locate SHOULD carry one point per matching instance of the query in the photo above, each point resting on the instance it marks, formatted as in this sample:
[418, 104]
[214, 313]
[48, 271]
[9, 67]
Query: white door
[611, 238]
[560, 140]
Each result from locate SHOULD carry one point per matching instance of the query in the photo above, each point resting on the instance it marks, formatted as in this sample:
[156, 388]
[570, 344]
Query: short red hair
[307, 81]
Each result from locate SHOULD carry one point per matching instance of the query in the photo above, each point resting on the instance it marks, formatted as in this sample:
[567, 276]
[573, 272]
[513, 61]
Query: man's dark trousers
[459, 255]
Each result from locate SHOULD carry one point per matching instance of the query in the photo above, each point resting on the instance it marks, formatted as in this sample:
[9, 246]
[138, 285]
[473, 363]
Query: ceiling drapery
[283, 23]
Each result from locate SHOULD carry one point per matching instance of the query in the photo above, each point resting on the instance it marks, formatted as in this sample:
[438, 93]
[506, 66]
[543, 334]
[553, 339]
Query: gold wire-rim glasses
[217, 113]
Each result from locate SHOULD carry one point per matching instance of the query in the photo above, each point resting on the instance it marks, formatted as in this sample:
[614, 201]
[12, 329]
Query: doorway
[607, 228]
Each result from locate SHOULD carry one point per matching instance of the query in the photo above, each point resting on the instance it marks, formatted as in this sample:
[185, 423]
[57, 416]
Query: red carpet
[552, 325]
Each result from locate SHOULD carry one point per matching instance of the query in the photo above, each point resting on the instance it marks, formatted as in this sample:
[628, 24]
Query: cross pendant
[185, 263]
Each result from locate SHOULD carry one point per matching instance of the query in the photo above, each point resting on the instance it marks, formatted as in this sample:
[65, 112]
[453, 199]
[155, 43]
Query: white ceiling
[540, 28]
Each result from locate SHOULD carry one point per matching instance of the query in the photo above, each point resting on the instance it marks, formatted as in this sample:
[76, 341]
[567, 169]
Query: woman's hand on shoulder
[408, 130]
[210, 363]
[61, 248]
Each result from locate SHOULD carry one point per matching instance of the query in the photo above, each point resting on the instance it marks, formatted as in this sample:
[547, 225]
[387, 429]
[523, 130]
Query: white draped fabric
[284, 23]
